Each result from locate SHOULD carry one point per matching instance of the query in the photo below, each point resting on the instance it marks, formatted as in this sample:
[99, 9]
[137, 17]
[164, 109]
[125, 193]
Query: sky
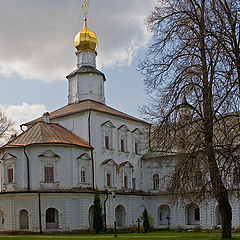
[37, 53]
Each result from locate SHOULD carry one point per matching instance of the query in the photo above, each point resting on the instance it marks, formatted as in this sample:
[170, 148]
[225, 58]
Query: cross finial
[84, 5]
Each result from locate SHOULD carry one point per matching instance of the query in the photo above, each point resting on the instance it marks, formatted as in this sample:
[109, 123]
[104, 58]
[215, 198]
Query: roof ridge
[86, 105]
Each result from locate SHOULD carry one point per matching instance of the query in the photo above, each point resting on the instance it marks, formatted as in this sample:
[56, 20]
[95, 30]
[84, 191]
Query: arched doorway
[2, 220]
[23, 219]
[51, 218]
[218, 216]
[120, 214]
[164, 215]
[192, 214]
[90, 216]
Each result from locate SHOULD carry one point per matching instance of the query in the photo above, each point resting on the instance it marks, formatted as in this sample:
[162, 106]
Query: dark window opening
[10, 175]
[107, 142]
[122, 145]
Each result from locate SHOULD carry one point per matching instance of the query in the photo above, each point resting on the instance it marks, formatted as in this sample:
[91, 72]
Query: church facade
[49, 172]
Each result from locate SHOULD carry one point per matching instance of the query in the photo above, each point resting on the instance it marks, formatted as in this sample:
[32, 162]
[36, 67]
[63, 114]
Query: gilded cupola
[85, 39]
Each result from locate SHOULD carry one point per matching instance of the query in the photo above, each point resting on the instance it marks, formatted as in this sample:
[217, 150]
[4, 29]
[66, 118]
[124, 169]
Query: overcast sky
[37, 52]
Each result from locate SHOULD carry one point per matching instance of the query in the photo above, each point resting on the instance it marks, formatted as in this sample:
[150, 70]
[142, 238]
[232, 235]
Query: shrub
[97, 213]
[146, 224]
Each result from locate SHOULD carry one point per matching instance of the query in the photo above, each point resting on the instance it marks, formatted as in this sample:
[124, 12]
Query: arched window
[51, 218]
[49, 173]
[23, 219]
[2, 220]
[164, 215]
[193, 214]
[155, 181]
[90, 216]
[120, 214]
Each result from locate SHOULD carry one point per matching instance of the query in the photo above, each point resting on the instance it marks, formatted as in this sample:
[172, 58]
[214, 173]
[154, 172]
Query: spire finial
[85, 4]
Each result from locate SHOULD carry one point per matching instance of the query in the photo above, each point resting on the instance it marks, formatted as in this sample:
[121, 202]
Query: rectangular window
[107, 142]
[122, 145]
[136, 148]
[134, 183]
[125, 181]
[48, 174]
[155, 181]
[108, 180]
[10, 175]
[196, 214]
[83, 176]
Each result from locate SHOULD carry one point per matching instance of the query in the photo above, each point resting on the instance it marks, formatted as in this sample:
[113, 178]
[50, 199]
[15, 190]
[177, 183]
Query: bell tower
[86, 82]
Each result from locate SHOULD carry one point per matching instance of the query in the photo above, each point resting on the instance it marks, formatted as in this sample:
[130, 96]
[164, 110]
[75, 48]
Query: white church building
[49, 172]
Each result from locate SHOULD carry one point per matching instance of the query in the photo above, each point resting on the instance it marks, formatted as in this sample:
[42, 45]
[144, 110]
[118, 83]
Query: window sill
[49, 184]
[9, 186]
[108, 149]
[126, 152]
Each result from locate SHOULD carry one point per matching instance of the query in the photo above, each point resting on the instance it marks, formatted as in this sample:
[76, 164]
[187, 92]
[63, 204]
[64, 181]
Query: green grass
[163, 235]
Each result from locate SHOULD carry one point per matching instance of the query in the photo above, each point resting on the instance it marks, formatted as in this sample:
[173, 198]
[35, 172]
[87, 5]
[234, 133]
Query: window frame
[49, 173]
[122, 145]
[156, 181]
[108, 179]
[125, 181]
[106, 141]
[10, 180]
[49, 158]
[107, 131]
[83, 176]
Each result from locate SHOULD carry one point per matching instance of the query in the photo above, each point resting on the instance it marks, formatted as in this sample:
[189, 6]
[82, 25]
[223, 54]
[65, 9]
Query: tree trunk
[221, 195]
[226, 214]
[218, 188]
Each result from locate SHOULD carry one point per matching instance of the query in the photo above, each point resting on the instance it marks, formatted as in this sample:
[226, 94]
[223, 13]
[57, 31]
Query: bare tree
[192, 81]
[227, 31]
[5, 128]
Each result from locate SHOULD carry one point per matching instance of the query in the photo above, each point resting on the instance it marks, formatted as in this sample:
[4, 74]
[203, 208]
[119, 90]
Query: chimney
[46, 117]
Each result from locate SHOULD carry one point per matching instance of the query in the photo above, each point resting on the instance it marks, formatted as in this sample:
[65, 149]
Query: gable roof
[47, 133]
[109, 161]
[127, 163]
[7, 156]
[84, 106]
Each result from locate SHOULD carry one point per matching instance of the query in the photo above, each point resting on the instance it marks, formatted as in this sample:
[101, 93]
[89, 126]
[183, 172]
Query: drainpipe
[28, 174]
[39, 213]
[89, 140]
[105, 212]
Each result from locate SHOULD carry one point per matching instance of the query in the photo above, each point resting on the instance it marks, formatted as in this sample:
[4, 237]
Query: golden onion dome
[85, 39]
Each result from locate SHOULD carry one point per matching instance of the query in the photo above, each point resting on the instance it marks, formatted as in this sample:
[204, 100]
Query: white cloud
[23, 113]
[37, 36]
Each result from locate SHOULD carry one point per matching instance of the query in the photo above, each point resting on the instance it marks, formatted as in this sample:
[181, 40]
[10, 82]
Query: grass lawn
[163, 235]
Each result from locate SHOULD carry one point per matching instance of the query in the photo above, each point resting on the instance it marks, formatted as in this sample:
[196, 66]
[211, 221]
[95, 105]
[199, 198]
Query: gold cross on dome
[84, 5]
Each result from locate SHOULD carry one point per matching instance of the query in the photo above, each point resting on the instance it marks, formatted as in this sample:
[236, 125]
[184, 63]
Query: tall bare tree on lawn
[192, 75]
